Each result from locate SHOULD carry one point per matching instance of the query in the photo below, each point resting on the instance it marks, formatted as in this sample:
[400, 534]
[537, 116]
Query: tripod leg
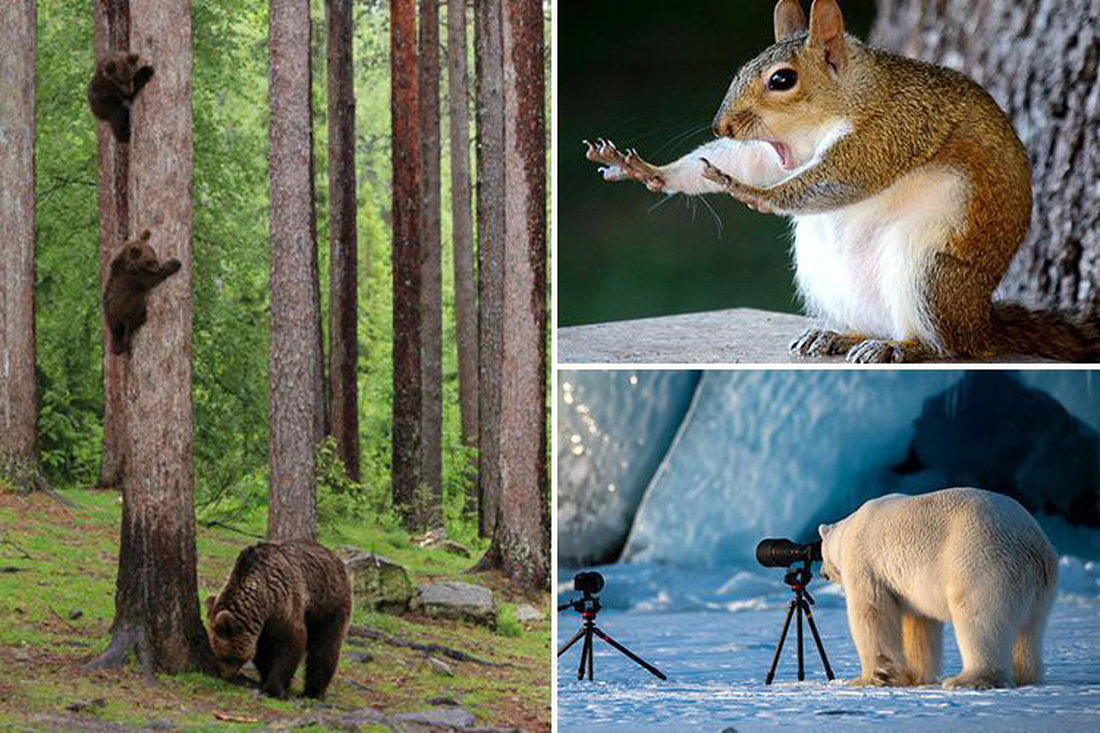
[779, 646]
[586, 649]
[801, 667]
[591, 656]
[571, 642]
[820, 646]
[631, 655]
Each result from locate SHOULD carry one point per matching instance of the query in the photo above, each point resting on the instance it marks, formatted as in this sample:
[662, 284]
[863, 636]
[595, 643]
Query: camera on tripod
[588, 606]
[781, 553]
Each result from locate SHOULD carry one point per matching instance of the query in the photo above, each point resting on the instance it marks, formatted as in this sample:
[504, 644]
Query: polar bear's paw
[975, 681]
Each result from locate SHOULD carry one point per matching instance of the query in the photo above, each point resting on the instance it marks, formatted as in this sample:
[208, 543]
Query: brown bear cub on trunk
[282, 600]
[135, 271]
[114, 85]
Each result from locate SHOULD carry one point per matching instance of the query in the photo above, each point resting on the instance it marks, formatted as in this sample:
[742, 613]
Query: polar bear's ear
[824, 529]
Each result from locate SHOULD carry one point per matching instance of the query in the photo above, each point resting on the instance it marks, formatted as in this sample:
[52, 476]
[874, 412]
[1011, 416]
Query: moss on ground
[57, 583]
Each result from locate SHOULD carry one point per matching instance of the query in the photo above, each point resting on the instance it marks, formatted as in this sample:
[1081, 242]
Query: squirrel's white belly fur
[861, 268]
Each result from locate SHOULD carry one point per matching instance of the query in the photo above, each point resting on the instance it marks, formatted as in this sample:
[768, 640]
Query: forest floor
[57, 585]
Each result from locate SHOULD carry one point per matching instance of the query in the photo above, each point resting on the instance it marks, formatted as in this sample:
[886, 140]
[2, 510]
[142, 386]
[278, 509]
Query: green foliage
[338, 496]
[507, 623]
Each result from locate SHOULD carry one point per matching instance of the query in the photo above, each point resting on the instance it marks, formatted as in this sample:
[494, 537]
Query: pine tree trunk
[111, 21]
[489, 60]
[521, 537]
[407, 386]
[1038, 58]
[462, 229]
[156, 601]
[18, 400]
[297, 388]
[431, 362]
[343, 237]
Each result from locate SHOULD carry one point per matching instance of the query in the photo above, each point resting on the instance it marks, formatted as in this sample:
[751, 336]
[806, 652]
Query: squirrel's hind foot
[883, 351]
[818, 342]
[619, 166]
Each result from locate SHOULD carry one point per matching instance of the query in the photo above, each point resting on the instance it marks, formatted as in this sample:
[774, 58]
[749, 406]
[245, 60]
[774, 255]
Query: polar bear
[972, 558]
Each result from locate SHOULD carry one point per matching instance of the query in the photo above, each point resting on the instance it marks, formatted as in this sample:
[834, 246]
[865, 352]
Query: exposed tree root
[431, 648]
[126, 638]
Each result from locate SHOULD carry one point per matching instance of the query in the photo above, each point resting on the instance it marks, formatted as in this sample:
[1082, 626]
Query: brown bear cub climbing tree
[283, 600]
[134, 272]
[116, 82]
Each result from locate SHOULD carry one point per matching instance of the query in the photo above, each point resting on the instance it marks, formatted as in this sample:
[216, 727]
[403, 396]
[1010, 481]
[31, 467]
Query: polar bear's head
[830, 551]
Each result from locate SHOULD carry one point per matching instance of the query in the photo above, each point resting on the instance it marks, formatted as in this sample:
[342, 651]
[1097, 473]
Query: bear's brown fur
[135, 271]
[282, 600]
[116, 82]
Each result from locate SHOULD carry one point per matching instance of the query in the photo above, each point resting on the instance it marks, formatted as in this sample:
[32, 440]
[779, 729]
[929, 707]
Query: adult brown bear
[282, 600]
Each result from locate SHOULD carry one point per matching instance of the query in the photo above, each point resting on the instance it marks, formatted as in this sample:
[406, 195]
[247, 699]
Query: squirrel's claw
[621, 167]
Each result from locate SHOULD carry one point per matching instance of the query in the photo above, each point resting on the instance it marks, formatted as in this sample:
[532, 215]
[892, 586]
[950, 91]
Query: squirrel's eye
[782, 80]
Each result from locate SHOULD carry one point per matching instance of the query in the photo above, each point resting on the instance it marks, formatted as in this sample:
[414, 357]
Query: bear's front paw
[966, 681]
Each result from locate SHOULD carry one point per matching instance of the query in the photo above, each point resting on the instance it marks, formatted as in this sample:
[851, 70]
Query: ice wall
[774, 453]
[614, 428]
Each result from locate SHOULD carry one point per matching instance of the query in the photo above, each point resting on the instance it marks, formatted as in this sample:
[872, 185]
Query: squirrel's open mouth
[783, 152]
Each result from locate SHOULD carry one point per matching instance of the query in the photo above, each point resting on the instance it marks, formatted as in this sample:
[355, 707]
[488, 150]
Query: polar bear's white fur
[909, 564]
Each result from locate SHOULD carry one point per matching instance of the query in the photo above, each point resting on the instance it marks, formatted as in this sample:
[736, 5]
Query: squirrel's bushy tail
[1048, 334]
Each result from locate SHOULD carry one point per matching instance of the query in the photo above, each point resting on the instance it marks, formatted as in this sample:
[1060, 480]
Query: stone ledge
[734, 336]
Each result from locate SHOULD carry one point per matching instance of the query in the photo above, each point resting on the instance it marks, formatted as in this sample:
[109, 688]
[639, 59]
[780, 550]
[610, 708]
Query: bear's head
[830, 551]
[232, 642]
[123, 70]
[140, 264]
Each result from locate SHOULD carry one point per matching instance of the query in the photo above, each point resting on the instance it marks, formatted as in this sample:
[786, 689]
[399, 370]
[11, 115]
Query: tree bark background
[407, 385]
[1039, 59]
[295, 371]
[343, 237]
[156, 601]
[462, 231]
[111, 22]
[489, 61]
[521, 540]
[431, 258]
[18, 397]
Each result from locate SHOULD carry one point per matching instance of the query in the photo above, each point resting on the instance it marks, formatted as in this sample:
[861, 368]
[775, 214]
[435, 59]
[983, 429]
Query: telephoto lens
[781, 553]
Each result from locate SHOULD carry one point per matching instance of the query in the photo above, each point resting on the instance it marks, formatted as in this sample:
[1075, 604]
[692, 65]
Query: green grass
[71, 570]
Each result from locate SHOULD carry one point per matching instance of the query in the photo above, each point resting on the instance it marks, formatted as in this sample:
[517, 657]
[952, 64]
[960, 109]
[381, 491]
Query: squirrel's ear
[789, 18]
[827, 32]
[145, 234]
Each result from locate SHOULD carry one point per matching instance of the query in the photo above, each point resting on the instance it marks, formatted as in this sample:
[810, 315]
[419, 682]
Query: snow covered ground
[714, 639]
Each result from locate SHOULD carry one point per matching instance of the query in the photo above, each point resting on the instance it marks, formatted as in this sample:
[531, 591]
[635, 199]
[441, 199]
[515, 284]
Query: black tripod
[798, 579]
[588, 607]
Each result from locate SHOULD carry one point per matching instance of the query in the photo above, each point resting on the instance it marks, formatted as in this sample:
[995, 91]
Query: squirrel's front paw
[620, 166]
[733, 188]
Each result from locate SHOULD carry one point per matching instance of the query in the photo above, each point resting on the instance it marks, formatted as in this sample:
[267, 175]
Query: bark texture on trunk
[521, 537]
[343, 309]
[111, 23]
[462, 231]
[407, 386]
[297, 387]
[431, 253]
[1039, 60]
[18, 398]
[489, 62]
[156, 601]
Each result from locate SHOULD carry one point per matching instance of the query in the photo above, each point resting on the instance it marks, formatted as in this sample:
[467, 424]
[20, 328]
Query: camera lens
[590, 582]
[781, 553]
